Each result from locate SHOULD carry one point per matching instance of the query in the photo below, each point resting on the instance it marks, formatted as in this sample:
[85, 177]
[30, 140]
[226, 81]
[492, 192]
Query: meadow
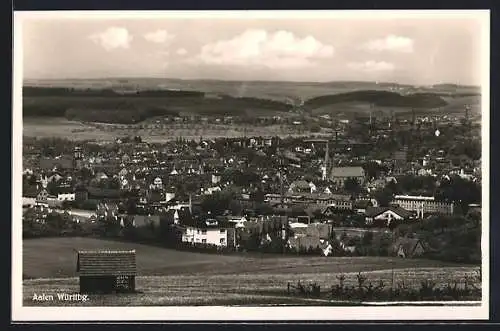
[170, 277]
[76, 130]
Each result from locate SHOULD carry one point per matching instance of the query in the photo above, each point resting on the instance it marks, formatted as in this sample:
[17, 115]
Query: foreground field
[56, 257]
[169, 277]
[230, 289]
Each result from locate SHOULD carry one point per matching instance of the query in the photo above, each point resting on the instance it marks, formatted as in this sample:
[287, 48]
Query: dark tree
[352, 185]
[383, 196]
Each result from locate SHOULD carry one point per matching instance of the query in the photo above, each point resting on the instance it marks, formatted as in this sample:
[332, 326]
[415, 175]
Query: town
[394, 185]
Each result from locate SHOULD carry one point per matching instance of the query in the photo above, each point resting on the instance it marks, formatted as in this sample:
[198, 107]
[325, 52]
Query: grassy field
[169, 277]
[61, 127]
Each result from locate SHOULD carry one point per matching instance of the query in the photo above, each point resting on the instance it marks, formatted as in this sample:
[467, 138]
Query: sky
[416, 50]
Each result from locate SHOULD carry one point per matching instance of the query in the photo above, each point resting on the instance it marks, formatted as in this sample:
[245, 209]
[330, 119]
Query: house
[238, 221]
[301, 186]
[81, 193]
[310, 243]
[29, 202]
[385, 216]
[348, 245]
[107, 209]
[142, 220]
[310, 236]
[210, 232]
[376, 184]
[339, 175]
[360, 206]
[158, 183]
[409, 247]
[100, 176]
[340, 203]
[216, 178]
[322, 231]
[66, 196]
[42, 196]
[106, 271]
[211, 190]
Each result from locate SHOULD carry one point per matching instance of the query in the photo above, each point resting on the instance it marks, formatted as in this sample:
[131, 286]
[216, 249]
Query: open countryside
[157, 110]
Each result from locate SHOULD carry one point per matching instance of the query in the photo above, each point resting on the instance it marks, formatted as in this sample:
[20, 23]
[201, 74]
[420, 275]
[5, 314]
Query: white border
[20, 313]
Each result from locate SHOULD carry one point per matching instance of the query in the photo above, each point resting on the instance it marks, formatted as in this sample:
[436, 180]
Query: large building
[423, 205]
[339, 175]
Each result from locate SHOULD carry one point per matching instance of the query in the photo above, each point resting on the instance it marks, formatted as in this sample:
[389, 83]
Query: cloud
[371, 66]
[181, 51]
[390, 43]
[112, 38]
[159, 36]
[261, 48]
[158, 55]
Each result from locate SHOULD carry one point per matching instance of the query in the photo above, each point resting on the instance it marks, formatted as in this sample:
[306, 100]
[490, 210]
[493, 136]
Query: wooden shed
[106, 271]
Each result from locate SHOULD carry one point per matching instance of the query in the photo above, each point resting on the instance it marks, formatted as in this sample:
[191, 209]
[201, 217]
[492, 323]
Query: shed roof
[106, 263]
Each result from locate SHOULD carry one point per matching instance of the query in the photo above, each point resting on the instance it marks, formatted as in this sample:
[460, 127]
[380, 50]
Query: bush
[367, 289]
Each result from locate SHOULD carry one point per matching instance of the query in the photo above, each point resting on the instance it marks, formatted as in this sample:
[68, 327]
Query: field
[61, 127]
[169, 277]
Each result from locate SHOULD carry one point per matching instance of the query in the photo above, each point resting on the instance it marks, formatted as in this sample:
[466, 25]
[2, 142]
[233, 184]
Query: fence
[467, 288]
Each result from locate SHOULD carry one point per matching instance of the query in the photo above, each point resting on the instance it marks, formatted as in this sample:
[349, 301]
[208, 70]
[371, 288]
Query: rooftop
[355, 171]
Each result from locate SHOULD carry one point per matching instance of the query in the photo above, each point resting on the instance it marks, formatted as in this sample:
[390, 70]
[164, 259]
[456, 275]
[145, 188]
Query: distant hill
[283, 91]
[380, 99]
[103, 100]
[110, 106]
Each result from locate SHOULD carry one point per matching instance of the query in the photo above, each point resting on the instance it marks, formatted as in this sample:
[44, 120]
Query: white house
[169, 196]
[29, 202]
[158, 183]
[66, 196]
[210, 234]
[216, 178]
[212, 190]
[297, 225]
[238, 221]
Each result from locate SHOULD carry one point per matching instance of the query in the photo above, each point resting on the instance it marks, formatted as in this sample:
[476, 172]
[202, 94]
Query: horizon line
[252, 81]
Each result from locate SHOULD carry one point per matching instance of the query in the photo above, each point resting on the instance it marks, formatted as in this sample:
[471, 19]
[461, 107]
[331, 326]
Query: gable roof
[408, 245]
[106, 263]
[347, 172]
[375, 211]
